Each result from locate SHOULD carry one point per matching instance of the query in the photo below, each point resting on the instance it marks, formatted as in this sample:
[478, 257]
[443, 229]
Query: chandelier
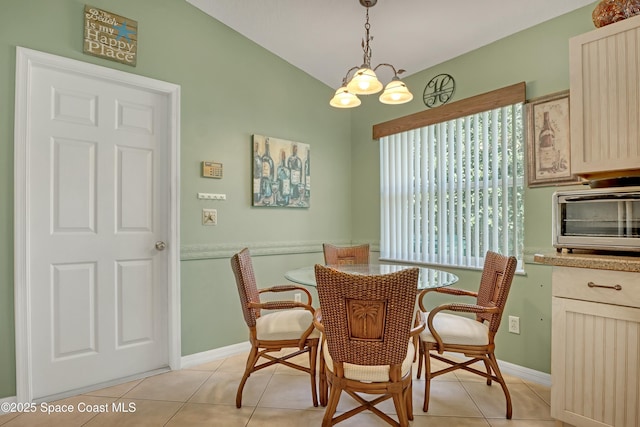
[365, 82]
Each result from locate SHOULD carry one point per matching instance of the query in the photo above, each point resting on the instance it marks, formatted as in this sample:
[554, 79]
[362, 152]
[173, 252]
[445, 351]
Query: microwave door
[598, 220]
[632, 215]
[594, 218]
[626, 219]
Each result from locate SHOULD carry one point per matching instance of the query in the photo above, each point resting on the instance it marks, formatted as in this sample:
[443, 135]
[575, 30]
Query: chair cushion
[284, 325]
[374, 373]
[455, 329]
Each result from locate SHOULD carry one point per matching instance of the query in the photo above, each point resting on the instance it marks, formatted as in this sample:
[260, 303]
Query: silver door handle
[593, 285]
[160, 245]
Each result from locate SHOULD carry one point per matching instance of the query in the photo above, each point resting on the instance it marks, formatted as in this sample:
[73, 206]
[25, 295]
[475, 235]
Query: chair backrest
[367, 319]
[497, 275]
[336, 255]
[246, 281]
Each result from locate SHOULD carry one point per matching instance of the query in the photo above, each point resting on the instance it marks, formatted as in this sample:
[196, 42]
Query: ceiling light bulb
[344, 99]
[395, 93]
[364, 82]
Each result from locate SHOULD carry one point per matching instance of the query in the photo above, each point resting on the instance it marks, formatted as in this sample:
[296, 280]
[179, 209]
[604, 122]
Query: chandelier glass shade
[396, 92]
[364, 80]
[344, 99]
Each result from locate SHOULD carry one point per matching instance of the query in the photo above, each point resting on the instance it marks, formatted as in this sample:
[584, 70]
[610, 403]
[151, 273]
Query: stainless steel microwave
[599, 219]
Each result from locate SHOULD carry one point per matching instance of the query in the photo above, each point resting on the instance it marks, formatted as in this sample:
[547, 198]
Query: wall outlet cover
[514, 324]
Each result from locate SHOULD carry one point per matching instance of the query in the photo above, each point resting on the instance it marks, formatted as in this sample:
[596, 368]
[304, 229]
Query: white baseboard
[527, 374]
[211, 355]
[521, 372]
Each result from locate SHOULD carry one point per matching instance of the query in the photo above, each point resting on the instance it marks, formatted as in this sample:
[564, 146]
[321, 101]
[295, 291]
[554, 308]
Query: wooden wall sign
[110, 36]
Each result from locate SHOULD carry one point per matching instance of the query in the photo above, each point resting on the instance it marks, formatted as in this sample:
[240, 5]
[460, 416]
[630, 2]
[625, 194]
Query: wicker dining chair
[335, 255]
[287, 325]
[472, 337]
[367, 340]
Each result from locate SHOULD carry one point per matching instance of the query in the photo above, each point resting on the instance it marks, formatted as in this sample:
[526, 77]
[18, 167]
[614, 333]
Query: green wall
[232, 88]
[538, 56]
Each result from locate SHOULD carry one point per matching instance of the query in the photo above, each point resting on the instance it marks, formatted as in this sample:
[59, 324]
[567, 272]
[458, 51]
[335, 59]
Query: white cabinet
[595, 357]
[605, 100]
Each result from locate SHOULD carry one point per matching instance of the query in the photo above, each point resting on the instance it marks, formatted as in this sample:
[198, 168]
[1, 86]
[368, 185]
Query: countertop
[589, 259]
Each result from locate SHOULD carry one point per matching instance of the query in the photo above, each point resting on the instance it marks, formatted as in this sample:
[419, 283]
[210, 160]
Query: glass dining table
[429, 277]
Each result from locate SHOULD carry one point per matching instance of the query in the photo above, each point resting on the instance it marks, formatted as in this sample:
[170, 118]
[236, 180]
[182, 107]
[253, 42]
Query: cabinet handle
[593, 285]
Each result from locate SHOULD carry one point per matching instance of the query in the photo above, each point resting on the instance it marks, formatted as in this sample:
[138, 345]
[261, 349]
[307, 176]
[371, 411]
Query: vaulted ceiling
[323, 37]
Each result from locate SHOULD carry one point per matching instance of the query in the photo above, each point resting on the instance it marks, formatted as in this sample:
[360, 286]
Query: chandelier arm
[365, 82]
[395, 72]
[345, 79]
[388, 65]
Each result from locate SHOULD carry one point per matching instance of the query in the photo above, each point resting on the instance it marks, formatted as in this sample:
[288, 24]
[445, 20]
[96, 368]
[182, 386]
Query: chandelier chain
[365, 44]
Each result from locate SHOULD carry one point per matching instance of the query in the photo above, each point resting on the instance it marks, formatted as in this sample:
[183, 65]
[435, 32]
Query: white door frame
[26, 60]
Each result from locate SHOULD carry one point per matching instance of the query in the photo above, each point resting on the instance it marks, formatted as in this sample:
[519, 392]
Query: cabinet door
[605, 99]
[595, 364]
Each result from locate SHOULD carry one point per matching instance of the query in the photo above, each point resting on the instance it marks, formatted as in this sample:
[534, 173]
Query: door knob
[160, 245]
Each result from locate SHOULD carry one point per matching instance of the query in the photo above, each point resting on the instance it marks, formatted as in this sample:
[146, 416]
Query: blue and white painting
[281, 173]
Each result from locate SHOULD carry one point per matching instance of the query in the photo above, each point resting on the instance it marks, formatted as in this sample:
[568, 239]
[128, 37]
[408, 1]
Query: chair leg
[488, 368]
[332, 405]
[313, 355]
[503, 384]
[400, 402]
[420, 357]
[427, 381]
[251, 362]
[408, 396]
[323, 386]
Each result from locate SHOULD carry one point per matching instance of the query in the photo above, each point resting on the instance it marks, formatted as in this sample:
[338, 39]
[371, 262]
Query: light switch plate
[211, 196]
[209, 217]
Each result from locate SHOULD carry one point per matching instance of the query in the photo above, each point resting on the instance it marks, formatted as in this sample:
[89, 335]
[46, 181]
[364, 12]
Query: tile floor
[281, 397]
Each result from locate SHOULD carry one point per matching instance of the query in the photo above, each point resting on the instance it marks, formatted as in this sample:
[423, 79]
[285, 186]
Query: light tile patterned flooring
[281, 397]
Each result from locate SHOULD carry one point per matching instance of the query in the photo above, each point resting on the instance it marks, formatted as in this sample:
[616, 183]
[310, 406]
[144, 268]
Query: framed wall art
[110, 36]
[549, 141]
[281, 173]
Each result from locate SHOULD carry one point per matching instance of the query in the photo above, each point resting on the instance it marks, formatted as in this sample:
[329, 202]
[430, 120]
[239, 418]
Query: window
[453, 189]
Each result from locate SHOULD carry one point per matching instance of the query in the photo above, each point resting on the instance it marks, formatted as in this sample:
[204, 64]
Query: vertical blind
[453, 190]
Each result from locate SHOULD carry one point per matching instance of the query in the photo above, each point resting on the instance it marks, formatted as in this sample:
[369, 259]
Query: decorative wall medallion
[439, 90]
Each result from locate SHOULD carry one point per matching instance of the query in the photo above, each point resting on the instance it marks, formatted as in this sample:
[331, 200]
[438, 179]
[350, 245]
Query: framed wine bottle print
[281, 173]
[548, 141]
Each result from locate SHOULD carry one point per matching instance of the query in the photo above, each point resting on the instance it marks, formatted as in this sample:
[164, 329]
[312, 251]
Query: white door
[98, 207]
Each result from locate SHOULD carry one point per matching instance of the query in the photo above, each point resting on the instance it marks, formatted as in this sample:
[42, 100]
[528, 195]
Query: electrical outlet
[297, 297]
[514, 324]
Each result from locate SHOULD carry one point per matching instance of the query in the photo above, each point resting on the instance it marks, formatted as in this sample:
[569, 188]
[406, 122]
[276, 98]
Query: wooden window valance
[487, 101]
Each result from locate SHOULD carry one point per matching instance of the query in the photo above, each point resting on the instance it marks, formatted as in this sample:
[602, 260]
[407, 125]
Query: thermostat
[211, 170]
